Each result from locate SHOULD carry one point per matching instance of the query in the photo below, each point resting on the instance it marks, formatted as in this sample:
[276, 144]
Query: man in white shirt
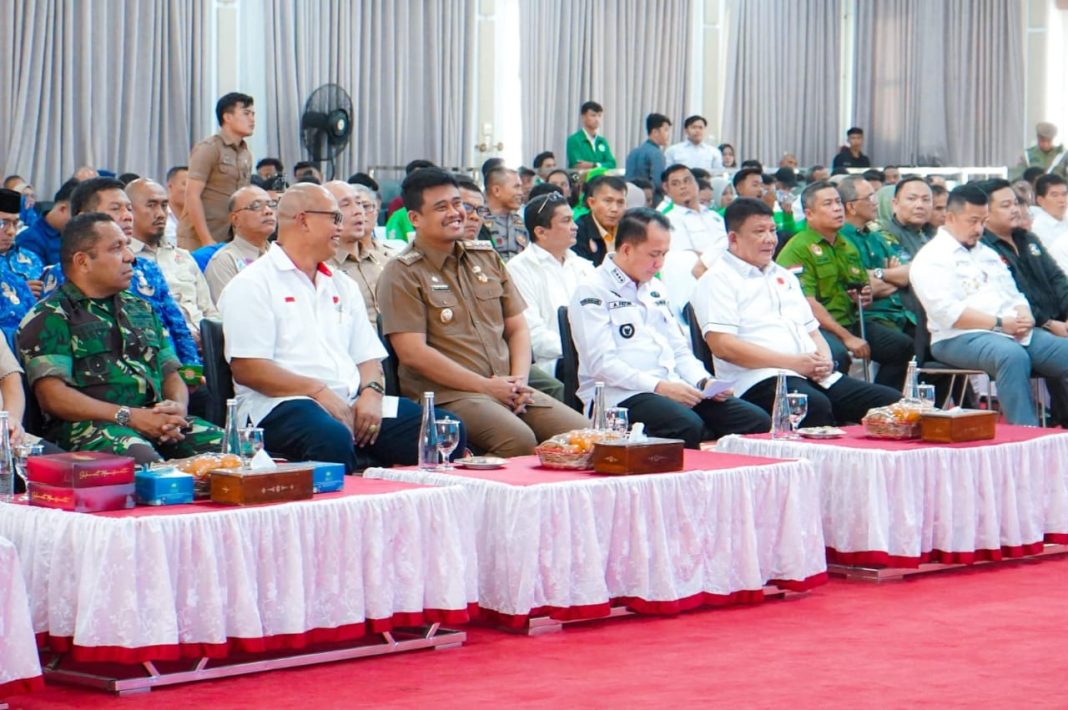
[757, 321]
[693, 152]
[695, 231]
[252, 222]
[627, 337]
[977, 317]
[1050, 223]
[149, 203]
[547, 272]
[306, 360]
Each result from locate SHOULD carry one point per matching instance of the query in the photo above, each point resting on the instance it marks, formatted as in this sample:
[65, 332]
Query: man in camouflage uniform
[1043, 154]
[103, 371]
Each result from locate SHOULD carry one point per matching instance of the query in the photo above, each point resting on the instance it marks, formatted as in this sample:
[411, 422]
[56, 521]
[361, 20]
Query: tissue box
[163, 486]
[82, 500]
[327, 477]
[80, 469]
[958, 425]
[292, 481]
[650, 456]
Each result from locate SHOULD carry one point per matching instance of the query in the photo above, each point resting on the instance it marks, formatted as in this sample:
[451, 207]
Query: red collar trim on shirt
[324, 269]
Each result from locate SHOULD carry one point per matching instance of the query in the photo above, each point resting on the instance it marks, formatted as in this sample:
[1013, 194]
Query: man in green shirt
[1043, 154]
[586, 149]
[832, 275]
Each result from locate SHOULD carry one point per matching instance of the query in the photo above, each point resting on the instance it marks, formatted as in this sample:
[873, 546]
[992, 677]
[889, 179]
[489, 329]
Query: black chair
[217, 374]
[567, 368]
[389, 365]
[697, 340]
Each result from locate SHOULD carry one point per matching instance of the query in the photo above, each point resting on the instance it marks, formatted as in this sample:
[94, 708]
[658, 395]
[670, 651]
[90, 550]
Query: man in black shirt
[850, 156]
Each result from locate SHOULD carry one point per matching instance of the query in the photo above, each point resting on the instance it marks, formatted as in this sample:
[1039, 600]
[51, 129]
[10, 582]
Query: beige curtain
[782, 80]
[939, 83]
[631, 56]
[406, 64]
[117, 85]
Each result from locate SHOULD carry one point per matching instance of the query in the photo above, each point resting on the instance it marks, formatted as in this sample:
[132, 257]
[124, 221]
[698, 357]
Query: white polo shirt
[272, 311]
[947, 277]
[627, 337]
[763, 307]
[545, 285]
[693, 234]
[1053, 233]
[702, 155]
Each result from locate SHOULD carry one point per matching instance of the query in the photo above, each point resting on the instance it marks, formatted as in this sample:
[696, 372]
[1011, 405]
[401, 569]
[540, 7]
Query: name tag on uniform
[612, 305]
[439, 287]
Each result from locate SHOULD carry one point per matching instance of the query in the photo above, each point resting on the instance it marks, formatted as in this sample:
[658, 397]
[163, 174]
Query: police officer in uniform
[627, 336]
[456, 322]
[104, 373]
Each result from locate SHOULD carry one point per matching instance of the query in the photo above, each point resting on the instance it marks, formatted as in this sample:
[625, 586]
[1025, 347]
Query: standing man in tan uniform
[218, 167]
[360, 256]
[456, 322]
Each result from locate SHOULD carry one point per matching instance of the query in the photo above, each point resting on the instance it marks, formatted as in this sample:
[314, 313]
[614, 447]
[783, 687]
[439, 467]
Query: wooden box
[286, 482]
[650, 456]
[958, 425]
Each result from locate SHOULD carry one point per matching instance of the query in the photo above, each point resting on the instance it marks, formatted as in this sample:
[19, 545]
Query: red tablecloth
[20, 670]
[159, 583]
[571, 544]
[905, 503]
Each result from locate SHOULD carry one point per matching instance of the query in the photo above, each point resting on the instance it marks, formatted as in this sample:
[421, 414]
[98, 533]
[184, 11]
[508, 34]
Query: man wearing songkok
[42, 238]
[694, 152]
[16, 296]
[1051, 216]
[606, 196]
[218, 167]
[757, 321]
[99, 362]
[307, 362]
[547, 272]
[586, 148]
[359, 256]
[253, 221]
[627, 337]
[455, 320]
[977, 316]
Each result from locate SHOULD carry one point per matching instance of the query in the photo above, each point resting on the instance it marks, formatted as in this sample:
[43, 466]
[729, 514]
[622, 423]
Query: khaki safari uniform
[224, 168]
[365, 269]
[459, 300]
[111, 349]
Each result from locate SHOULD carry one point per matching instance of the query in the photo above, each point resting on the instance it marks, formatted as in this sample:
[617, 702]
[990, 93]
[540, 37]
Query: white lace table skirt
[20, 669]
[657, 543]
[933, 504]
[147, 586]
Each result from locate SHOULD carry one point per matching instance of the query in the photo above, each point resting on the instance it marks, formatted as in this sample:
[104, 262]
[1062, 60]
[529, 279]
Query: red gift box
[80, 469]
[82, 500]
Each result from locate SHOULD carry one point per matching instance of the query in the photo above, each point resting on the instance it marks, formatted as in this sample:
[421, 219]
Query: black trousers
[710, 419]
[890, 347]
[846, 402]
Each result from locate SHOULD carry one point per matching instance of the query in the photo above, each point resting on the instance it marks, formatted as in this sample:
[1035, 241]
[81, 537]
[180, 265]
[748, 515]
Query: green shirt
[876, 250]
[827, 269]
[398, 226]
[579, 149]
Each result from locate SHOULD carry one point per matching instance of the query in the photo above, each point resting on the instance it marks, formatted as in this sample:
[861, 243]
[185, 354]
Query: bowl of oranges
[571, 450]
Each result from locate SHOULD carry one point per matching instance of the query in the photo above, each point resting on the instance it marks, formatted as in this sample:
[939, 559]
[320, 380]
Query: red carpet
[990, 636]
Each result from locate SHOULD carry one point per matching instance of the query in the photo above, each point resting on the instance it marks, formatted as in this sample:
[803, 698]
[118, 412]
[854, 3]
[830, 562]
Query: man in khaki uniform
[360, 256]
[218, 166]
[253, 219]
[456, 322]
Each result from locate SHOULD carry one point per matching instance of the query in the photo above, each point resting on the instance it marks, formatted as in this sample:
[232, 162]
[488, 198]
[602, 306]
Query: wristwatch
[997, 324]
[122, 417]
[878, 273]
[374, 386]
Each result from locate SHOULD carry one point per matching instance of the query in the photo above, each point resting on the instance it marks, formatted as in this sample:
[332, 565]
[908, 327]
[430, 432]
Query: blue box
[163, 486]
[327, 477]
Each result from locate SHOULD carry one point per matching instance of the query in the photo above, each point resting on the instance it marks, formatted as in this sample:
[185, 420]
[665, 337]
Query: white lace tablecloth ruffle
[20, 668]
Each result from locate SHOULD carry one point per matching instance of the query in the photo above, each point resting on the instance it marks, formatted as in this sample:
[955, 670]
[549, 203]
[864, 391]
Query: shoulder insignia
[591, 302]
[409, 257]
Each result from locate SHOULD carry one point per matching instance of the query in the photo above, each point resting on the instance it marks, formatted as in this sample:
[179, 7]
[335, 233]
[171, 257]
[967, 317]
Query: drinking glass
[618, 419]
[927, 396]
[797, 404]
[19, 455]
[448, 431]
[251, 444]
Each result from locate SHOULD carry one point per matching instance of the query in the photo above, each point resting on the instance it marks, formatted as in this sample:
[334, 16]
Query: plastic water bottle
[428, 436]
[780, 411]
[911, 390]
[600, 411]
[7, 463]
[231, 443]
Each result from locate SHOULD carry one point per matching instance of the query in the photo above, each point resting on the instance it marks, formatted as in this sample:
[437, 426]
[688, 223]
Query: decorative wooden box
[958, 425]
[650, 456]
[291, 481]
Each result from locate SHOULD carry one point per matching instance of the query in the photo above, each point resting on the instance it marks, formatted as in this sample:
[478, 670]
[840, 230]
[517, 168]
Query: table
[206, 581]
[20, 669]
[906, 503]
[572, 545]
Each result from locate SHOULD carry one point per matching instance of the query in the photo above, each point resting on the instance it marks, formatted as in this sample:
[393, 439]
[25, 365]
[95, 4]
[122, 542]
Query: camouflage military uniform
[148, 283]
[113, 350]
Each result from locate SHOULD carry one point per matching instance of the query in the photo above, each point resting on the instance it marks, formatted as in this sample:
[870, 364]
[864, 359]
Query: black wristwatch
[997, 324]
[374, 386]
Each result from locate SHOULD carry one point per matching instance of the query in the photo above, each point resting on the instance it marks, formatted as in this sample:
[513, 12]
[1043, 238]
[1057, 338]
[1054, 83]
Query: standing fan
[326, 124]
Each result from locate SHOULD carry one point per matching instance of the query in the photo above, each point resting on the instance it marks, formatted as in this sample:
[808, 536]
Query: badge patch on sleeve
[590, 302]
[627, 330]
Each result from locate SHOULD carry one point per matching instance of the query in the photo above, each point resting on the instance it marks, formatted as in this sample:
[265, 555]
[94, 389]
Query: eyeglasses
[338, 217]
[258, 205]
[367, 206]
[551, 197]
[481, 210]
[6, 224]
[870, 198]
